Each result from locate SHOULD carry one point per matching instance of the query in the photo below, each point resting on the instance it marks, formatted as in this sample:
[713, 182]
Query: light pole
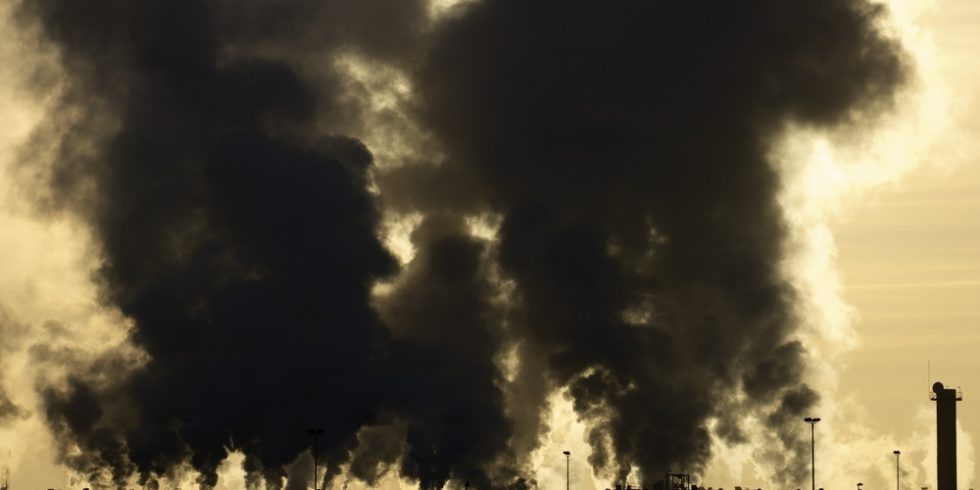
[567, 455]
[860, 486]
[898, 472]
[813, 455]
[315, 433]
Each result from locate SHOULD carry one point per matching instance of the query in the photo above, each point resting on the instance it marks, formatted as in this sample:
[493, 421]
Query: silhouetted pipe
[315, 433]
[945, 435]
[567, 455]
[898, 474]
[813, 454]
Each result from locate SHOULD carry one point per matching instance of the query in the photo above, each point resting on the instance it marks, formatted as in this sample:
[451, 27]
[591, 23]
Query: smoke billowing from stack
[621, 146]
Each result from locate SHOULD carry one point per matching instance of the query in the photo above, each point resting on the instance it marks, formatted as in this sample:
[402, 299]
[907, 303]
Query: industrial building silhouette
[945, 398]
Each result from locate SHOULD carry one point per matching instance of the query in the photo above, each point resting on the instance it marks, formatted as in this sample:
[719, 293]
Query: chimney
[945, 434]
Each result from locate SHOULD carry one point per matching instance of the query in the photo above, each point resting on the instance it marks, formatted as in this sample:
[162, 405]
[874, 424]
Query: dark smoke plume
[240, 242]
[622, 146]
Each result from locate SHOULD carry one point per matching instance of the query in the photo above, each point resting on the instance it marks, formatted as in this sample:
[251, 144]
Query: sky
[909, 251]
[881, 250]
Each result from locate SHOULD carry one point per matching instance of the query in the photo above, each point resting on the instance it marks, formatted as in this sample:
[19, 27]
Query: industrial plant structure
[945, 399]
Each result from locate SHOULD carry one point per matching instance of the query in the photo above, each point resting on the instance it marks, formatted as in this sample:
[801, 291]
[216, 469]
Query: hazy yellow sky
[908, 255]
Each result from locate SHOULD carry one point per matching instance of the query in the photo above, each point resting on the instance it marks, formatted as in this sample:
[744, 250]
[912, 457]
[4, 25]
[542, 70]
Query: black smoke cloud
[443, 310]
[622, 147]
[242, 246]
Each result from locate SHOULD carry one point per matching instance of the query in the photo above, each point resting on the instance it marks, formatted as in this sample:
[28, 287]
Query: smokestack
[945, 434]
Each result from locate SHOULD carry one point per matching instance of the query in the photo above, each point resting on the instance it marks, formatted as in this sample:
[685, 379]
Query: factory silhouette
[945, 398]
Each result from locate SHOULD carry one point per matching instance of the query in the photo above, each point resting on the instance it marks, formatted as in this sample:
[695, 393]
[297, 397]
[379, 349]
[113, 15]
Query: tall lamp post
[898, 472]
[813, 455]
[315, 433]
[567, 455]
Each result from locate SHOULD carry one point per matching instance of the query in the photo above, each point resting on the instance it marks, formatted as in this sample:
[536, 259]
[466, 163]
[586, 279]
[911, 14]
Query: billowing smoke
[240, 241]
[625, 149]
[621, 147]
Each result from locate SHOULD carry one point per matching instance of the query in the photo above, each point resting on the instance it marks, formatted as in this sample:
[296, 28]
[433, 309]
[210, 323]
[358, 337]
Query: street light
[813, 456]
[898, 473]
[860, 486]
[567, 455]
[315, 433]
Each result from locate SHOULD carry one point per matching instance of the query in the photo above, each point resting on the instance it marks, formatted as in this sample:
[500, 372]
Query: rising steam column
[945, 434]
